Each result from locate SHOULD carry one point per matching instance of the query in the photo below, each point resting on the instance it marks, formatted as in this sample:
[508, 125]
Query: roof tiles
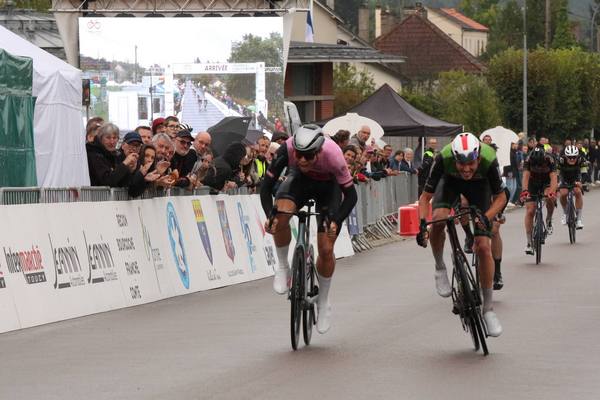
[427, 49]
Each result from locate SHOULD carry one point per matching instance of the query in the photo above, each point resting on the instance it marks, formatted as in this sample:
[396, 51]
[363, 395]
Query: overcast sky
[169, 40]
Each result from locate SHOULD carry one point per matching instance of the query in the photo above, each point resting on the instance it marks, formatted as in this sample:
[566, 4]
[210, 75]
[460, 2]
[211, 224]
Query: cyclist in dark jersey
[316, 170]
[465, 167]
[569, 166]
[539, 179]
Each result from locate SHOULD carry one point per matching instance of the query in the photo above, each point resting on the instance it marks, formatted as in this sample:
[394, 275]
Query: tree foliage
[350, 86]
[563, 90]
[256, 49]
[482, 11]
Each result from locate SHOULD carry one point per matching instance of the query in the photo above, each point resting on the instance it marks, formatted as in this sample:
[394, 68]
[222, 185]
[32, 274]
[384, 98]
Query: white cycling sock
[282, 255]
[487, 299]
[579, 213]
[324, 285]
[439, 260]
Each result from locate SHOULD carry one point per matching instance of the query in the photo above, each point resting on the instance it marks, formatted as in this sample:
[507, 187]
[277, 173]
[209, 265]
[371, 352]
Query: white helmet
[465, 147]
[571, 151]
[308, 138]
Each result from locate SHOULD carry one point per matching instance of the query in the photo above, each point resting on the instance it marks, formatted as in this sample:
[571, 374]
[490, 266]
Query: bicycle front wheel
[297, 295]
[538, 232]
[571, 222]
[308, 313]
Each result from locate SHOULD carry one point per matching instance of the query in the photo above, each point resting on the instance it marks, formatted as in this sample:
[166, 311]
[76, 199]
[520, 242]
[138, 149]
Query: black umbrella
[228, 130]
[253, 135]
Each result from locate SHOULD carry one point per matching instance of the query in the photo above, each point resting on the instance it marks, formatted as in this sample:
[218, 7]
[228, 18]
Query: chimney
[418, 9]
[363, 23]
[377, 21]
[388, 21]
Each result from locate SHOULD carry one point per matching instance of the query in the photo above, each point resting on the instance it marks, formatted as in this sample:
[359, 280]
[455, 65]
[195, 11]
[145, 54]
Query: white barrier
[67, 260]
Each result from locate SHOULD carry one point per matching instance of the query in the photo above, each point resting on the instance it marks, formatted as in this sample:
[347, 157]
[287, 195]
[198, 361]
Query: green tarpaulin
[17, 153]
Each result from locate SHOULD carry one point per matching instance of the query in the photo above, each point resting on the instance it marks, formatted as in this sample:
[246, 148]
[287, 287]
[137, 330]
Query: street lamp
[525, 67]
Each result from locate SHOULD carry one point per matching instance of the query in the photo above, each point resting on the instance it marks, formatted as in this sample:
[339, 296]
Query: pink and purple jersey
[329, 165]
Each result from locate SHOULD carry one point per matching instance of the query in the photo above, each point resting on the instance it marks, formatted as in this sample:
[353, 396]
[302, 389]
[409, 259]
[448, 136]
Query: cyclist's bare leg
[529, 212]
[282, 236]
[563, 198]
[325, 268]
[578, 198]
[496, 241]
[549, 205]
[326, 258]
[437, 237]
[483, 249]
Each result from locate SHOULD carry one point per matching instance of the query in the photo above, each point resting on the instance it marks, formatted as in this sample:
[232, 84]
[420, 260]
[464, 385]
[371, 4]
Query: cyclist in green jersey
[465, 167]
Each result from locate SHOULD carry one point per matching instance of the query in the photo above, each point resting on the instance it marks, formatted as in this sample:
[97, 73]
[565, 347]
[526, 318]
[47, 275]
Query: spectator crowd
[167, 155]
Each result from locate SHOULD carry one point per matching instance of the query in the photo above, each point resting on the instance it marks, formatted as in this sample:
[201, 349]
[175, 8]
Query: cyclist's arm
[424, 201]
[270, 179]
[499, 194]
[350, 199]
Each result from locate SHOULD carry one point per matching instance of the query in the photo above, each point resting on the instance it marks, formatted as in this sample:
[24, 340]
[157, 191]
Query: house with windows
[309, 70]
[428, 50]
[470, 34]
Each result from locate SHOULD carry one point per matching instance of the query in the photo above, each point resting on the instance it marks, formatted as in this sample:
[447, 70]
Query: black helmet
[308, 138]
[537, 156]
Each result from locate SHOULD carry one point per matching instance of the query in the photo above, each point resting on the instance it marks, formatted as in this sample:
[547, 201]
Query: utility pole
[593, 27]
[548, 17]
[135, 68]
[525, 67]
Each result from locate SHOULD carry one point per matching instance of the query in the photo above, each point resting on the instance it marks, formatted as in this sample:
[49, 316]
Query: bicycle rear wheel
[464, 298]
[296, 295]
[538, 232]
[308, 313]
[571, 221]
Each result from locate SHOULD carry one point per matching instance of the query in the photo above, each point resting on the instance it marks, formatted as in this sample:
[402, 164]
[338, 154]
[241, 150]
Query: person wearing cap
[183, 160]
[132, 143]
[158, 126]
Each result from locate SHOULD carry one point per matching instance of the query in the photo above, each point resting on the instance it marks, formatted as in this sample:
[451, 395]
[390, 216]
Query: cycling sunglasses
[465, 159]
[307, 155]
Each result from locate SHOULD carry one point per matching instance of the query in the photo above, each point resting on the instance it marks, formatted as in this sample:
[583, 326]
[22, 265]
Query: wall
[475, 42]
[325, 26]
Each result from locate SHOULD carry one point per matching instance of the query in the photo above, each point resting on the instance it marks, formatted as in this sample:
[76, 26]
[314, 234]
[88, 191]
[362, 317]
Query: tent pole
[422, 147]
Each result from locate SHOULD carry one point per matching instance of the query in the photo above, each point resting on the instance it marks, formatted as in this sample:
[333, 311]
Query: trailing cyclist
[316, 170]
[539, 179]
[468, 167]
[569, 165]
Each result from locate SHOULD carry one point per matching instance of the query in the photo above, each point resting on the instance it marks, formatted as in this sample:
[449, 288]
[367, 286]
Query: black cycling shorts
[536, 189]
[300, 189]
[565, 183]
[478, 194]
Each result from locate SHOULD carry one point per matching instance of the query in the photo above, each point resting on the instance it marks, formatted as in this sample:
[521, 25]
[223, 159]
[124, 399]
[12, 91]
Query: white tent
[59, 138]
[503, 138]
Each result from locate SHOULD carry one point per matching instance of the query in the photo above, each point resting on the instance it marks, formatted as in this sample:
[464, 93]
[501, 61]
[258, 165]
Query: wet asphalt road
[392, 337]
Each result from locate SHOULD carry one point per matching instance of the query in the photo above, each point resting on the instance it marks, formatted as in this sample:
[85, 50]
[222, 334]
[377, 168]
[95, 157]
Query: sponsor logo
[244, 219]
[152, 254]
[27, 262]
[226, 230]
[67, 266]
[177, 246]
[202, 229]
[100, 261]
[268, 248]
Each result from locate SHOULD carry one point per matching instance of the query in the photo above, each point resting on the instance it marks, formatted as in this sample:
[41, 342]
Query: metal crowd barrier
[377, 207]
[21, 195]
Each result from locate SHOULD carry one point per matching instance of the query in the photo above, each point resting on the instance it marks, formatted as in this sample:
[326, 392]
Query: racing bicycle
[466, 297]
[303, 290]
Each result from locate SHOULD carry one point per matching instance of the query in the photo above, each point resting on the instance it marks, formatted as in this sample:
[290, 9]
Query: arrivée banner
[67, 260]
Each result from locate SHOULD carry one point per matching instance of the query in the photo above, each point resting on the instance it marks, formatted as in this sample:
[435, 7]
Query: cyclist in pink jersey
[316, 169]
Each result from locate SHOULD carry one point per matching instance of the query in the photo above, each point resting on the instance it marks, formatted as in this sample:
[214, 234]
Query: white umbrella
[353, 122]
[503, 138]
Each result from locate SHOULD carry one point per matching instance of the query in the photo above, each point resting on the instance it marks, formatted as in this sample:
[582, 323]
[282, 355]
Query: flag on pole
[309, 35]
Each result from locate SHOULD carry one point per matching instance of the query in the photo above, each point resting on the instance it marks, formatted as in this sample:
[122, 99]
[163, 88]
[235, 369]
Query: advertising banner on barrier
[67, 260]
